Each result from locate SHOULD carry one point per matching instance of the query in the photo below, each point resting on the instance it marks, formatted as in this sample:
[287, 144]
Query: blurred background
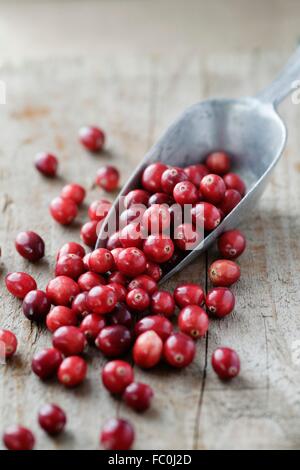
[44, 28]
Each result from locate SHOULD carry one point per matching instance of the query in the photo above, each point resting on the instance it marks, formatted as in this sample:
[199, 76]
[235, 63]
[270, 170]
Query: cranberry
[89, 280]
[46, 362]
[36, 305]
[231, 244]
[114, 341]
[46, 164]
[193, 321]
[160, 198]
[108, 178]
[186, 237]
[101, 299]
[234, 181]
[85, 260]
[220, 301]
[8, 343]
[88, 233]
[144, 282]
[195, 173]
[120, 291]
[226, 363]
[52, 419]
[136, 197]
[30, 245]
[189, 294]
[116, 375]
[185, 193]
[63, 211]
[92, 138]
[118, 277]
[117, 434]
[153, 270]
[218, 163]
[224, 273]
[162, 303]
[121, 316]
[230, 200]
[161, 325]
[71, 248]
[115, 252]
[101, 260]
[69, 340]
[98, 210]
[19, 284]
[69, 265]
[60, 316]
[147, 349]
[158, 248]
[132, 214]
[156, 218]
[72, 371]
[73, 191]
[151, 178]
[18, 438]
[171, 177]
[113, 241]
[62, 290]
[212, 188]
[91, 326]
[138, 396]
[80, 305]
[131, 262]
[138, 299]
[206, 215]
[179, 350]
[131, 236]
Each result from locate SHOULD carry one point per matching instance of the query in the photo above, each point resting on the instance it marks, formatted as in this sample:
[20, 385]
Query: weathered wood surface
[134, 100]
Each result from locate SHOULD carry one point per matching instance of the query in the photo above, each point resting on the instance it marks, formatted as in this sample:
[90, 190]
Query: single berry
[71, 248]
[36, 305]
[8, 343]
[46, 164]
[144, 282]
[101, 299]
[220, 301]
[131, 262]
[170, 177]
[193, 321]
[52, 419]
[89, 280]
[61, 316]
[101, 261]
[226, 363]
[30, 245]
[120, 291]
[138, 396]
[117, 434]
[69, 340]
[153, 270]
[19, 284]
[91, 326]
[231, 199]
[179, 350]
[120, 315]
[75, 192]
[99, 209]
[88, 233]
[231, 244]
[186, 237]
[212, 188]
[118, 277]
[108, 178]
[46, 362]
[136, 197]
[185, 193]
[63, 210]
[205, 216]
[195, 173]
[116, 375]
[189, 294]
[69, 265]
[62, 290]
[234, 181]
[158, 248]
[80, 305]
[72, 371]
[162, 303]
[18, 438]
[151, 178]
[134, 213]
[138, 299]
[114, 341]
[161, 325]
[131, 236]
[160, 198]
[224, 273]
[147, 349]
[92, 138]
[218, 163]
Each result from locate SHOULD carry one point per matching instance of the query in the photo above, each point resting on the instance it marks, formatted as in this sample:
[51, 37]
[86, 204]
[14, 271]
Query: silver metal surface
[249, 129]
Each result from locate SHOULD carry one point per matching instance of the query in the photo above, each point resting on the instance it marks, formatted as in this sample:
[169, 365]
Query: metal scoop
[249, 129]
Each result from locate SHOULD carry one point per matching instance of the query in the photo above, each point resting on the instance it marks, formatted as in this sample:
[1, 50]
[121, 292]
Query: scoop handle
[285, 83]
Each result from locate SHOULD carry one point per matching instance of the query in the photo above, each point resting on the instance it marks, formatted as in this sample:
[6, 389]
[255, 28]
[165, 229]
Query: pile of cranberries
[109, 298]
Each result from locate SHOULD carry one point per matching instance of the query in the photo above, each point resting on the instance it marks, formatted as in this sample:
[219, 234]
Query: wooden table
[134, 99]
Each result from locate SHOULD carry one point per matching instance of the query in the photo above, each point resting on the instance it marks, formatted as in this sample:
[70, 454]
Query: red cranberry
[72, 371]
[158, 248]
[195, 173]
[88, 233]
[18, 438]
[213, 188]
[179, 350]
[230, 200]
[118, 277]
[69, 265]
[162, 303]
[101, 299]
[121, 316]
[138, 396]
[62, 290]
[71, 248]
[206, 215]
[69, 340]
[193, 321]
[46, 362]
[89, 280]
[224, 273]
[101, 260]
[171, 177]
[138, 300]
[19, 284]
[160, 198]
[92, 138]
[113, 241]
[116, 375]
[231, 244]
[144, 282]
[120, 291]
[52, 419]
[156, 218]
[131, 262]
[218, 163]
[60, 316]
[36, 305]
[63, 211]
[132, 214]
[117, 434]
[234, 181]
[185, 193]
[147, 349]
[80, 305]
[115, 252]
[99, 209]
[91, 326]
[114, 341]
[226, 363]
[189, 294]
[136, 197]
[46, 164]
[73, 191]
[220, 301]
[153, 270]
[108, 178]
[85, 260]
[161, 325]
[186, 237]
[151, 178]
[9, 341]
[30, 245]
[131, 236]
